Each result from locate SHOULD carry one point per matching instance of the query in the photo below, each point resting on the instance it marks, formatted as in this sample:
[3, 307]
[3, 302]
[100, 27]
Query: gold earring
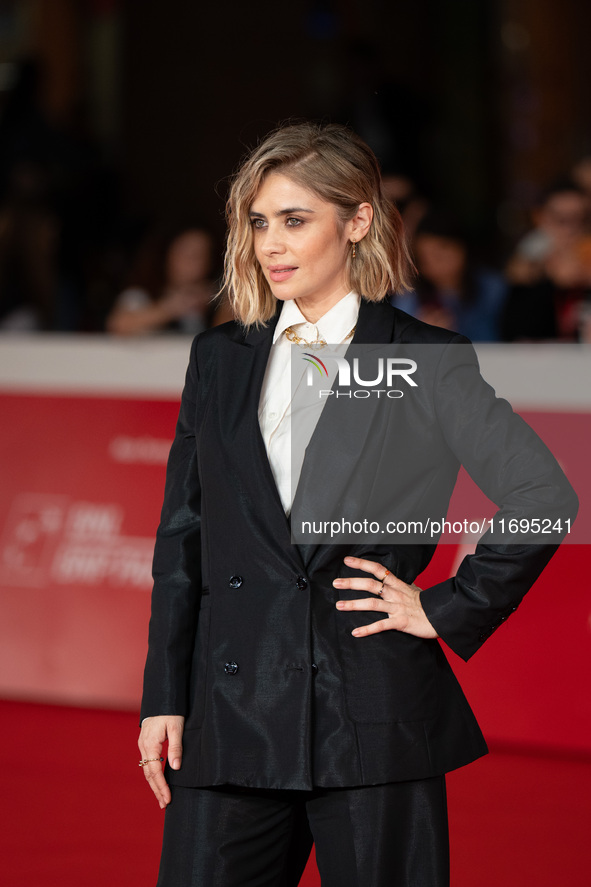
[353, 253]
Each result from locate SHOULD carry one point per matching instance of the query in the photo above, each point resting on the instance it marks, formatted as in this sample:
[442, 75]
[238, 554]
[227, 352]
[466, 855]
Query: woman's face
[563, 217]
[189, 258]
[300, 244]
[440, 259]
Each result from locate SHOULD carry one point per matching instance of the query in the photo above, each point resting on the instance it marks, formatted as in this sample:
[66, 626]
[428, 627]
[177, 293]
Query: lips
[277, 273]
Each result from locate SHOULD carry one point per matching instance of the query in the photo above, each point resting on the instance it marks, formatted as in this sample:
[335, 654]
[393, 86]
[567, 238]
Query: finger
[358, 563]
[151, 749]
[374, 628]
[400, 619]
[359, 583]
[366, 603]
[383, 575]
[175, 747]
[155, 778]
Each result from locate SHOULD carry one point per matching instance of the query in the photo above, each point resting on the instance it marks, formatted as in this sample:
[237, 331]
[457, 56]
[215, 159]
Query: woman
[451, 290]
[171, 287]
[549, 273]
[301, 687]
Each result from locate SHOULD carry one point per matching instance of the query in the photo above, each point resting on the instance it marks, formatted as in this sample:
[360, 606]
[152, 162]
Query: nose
[273, 241]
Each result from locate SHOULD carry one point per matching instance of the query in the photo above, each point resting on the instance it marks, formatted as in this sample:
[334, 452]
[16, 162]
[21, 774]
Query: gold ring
[387, 573]
[145, 761]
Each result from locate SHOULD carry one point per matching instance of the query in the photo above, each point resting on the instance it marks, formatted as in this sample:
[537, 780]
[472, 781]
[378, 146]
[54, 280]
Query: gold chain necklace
[317, 343]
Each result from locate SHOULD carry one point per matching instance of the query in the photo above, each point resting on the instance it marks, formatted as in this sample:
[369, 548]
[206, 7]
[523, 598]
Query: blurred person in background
[451, 291]
[581, 174]
[412, 206]
[59, 204]
[550, 271]
[560, 220]
[29, 233]
[31, 165]
[171, 287]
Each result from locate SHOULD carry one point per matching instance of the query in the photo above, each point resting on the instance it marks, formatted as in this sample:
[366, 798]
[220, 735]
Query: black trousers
[394, 834]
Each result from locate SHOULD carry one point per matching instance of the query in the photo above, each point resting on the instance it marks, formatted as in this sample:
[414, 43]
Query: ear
[359, 225]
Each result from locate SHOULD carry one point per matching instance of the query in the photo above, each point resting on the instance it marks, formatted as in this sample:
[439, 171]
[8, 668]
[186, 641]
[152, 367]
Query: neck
[313, 309]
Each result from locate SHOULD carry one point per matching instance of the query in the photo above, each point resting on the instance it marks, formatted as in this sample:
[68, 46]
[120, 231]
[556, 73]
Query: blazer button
[231, 667]
[301, 583]
[314, 668]
[235, 581]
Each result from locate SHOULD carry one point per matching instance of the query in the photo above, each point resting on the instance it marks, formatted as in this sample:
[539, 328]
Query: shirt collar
[332, 326]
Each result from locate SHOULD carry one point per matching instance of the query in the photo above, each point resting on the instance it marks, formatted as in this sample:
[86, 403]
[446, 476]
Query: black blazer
[245, 640]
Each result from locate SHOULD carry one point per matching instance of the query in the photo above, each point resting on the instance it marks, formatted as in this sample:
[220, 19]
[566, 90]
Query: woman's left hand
[400, 601]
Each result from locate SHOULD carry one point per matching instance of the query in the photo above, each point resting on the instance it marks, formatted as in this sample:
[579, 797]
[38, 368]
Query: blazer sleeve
[176, 567]
[516, 470]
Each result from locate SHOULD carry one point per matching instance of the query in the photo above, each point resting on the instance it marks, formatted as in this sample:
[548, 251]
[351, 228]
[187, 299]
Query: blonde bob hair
[337, 166]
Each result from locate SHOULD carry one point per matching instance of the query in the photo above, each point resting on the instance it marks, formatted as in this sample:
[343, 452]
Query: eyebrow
[283, 212]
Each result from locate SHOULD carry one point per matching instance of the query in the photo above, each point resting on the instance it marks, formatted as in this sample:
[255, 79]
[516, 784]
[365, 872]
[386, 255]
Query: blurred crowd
[542, 292]
[71, 260]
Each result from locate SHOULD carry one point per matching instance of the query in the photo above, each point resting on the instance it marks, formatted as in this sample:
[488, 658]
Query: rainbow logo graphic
[315, 362]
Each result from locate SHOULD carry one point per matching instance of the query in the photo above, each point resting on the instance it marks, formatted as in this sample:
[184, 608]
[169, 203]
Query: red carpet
[76, 811]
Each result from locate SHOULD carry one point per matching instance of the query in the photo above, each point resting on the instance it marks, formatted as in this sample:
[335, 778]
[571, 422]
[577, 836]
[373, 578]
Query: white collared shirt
[275, 405]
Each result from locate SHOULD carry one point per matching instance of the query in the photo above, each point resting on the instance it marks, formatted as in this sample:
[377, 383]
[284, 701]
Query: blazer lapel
[249, 356]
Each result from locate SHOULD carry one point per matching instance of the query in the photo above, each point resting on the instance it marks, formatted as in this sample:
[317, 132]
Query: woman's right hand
[154, 733]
